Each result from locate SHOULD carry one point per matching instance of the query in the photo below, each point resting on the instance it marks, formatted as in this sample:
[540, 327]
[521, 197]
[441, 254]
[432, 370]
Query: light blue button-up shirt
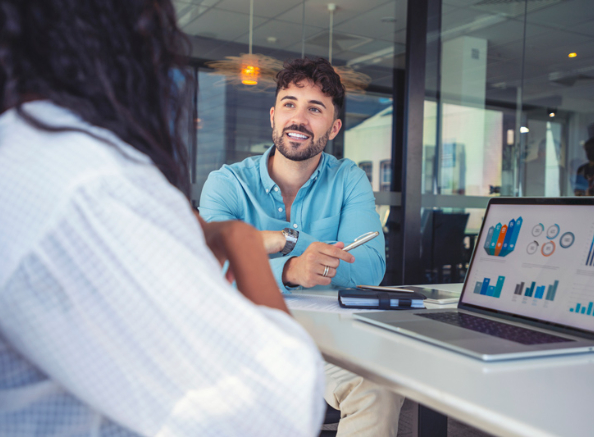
[335, 204]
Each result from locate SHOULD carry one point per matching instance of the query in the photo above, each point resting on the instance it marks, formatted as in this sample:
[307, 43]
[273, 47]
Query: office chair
[443, 245]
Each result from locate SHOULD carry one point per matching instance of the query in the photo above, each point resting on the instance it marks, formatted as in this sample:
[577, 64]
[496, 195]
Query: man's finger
[327, 260]
[337, 252]
[329, 274]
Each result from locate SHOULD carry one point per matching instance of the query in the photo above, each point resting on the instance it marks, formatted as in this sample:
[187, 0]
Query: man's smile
[297, 136]
[297, 133]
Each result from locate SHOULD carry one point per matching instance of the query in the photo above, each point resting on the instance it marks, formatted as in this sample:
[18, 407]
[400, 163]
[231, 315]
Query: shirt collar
[267, 181]
[318, 169]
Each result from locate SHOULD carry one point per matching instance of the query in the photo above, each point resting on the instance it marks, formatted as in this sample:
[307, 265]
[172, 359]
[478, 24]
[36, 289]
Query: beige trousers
[366, 409]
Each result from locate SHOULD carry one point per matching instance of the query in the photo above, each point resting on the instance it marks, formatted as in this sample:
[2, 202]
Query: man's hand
[308, 268]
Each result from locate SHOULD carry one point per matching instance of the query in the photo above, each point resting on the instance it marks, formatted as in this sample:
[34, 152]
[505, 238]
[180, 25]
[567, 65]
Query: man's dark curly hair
[320, 72]
[110, 61]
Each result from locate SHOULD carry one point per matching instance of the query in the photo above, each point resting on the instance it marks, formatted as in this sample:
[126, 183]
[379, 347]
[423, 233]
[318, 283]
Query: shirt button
[275, 188]
[280, 210]
[295, 225]
[267, 190]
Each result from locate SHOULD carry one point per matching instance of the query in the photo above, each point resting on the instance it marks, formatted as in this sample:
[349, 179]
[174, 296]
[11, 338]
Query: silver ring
[326, 271]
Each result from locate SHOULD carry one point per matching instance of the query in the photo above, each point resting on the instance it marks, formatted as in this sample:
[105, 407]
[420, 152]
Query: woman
[114, 318]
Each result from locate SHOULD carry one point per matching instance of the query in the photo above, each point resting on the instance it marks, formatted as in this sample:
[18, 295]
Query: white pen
[384, 288]
[361, 240]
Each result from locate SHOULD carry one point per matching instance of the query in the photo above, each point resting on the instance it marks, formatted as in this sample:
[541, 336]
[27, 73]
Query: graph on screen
[501, 239]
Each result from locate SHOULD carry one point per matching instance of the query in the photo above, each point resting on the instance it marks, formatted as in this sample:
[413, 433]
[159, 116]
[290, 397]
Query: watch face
[290, 233]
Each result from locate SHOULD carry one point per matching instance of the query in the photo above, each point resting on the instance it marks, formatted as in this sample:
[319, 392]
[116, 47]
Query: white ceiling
[374, 31]
[358, 27]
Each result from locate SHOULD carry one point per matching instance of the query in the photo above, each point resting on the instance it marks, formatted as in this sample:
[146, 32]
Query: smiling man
[308, 205]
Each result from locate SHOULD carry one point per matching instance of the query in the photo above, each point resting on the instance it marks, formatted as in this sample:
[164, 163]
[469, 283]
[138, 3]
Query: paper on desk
[324, 304]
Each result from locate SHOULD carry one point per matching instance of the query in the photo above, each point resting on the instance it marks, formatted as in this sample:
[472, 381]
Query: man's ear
[272, 117]
[335, 128]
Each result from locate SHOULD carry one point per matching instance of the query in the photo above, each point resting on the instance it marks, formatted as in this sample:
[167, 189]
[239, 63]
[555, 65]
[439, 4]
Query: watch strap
[291, 237]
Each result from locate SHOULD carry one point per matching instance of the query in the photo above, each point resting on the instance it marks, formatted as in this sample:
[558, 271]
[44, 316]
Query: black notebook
[433, 295]
[382, 300]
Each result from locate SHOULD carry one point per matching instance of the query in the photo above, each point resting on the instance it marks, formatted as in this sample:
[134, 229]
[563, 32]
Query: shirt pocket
[325, 229]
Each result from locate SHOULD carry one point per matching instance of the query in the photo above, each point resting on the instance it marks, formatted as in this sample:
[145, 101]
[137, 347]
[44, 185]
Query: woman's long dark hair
[110, 61]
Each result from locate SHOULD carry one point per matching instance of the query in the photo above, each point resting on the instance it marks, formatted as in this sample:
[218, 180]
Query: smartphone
[361, 240]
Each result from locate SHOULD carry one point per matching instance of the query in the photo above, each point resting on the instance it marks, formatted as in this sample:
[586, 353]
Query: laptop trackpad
[436, 330]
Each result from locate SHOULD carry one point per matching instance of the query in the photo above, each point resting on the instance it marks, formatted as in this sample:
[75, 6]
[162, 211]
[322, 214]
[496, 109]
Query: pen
[384, 288]
[361, 240]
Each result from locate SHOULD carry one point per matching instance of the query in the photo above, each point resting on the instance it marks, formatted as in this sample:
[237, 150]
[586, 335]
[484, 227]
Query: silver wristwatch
[291, 237]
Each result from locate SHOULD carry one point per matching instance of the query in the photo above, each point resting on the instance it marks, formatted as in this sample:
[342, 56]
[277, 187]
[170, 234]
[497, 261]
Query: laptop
[529, 289]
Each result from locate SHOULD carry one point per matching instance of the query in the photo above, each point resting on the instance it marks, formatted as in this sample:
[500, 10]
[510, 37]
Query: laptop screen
[536, 260]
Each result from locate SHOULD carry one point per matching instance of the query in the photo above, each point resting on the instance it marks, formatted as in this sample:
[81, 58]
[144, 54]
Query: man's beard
[291, 152]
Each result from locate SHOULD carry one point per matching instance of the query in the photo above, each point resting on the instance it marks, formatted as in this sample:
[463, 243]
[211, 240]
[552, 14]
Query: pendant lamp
[249, 69]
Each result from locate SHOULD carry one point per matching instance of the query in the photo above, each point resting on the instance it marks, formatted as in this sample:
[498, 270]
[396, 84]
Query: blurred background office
[466, 100]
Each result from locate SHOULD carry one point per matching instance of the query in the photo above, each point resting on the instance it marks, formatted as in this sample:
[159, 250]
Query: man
[309, 197]
[114, 318]
[308, 205]
[585, 173]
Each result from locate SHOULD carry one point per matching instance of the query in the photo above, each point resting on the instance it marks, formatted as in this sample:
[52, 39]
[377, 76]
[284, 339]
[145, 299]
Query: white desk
[533, 397]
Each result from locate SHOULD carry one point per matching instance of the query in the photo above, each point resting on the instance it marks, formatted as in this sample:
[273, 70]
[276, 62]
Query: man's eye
[289, 105]
[315, 110]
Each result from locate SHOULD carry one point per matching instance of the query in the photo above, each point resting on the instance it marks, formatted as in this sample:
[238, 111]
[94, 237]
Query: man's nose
[299, 117]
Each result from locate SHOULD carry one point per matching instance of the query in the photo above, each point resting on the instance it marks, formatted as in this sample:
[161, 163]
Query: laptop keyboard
[496, 329]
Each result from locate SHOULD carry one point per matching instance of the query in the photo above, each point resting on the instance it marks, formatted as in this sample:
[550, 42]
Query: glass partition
[508, 101]
[508, 110]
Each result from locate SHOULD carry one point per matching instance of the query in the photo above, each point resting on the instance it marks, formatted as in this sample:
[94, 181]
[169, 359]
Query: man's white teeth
[293, 135]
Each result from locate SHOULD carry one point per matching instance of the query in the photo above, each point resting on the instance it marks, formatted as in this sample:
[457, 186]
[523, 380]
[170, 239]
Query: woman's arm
[243, 246]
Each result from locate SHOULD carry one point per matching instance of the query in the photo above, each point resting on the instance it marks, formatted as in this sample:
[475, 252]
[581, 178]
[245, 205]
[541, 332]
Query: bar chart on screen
[537, 291]
[483, 287]
[581, 308]
[581, 298]
[501, 239]
[590, 257]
